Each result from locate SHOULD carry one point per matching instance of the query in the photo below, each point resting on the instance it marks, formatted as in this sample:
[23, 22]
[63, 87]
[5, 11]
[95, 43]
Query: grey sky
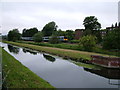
[68, 14]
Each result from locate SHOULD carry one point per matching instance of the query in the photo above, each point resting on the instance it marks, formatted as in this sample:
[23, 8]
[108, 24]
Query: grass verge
[66, 53]
[73, 47]
[18, 76]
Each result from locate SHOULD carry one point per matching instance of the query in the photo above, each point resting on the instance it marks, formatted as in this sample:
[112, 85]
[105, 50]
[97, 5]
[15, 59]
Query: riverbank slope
[15, 75]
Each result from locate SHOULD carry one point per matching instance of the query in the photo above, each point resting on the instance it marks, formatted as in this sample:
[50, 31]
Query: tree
[92, 27]
[49, 28]
[29, 32]
[119, 24]
[61, 33]
[88, 42]
[70, 34]
[112, 26]
[91, 23]
[112, 40]
[96, 33]
[54, 39]
[14, 35]
[37, 37]
[14, 50]
[98, 36]
[87, 32]
[4, 37]
[116, 24]
[24, 32]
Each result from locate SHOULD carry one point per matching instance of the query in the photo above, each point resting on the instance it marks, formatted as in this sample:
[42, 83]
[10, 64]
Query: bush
[37, 37]
[54, 39]
[74, 41]
[14, 35]
[112, 40]
[88, 42]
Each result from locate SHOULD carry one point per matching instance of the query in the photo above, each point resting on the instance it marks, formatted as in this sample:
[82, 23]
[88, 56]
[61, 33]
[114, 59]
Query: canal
[63, 73]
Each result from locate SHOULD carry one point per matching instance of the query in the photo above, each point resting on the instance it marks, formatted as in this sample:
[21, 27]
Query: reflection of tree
[107, 73]
[49, 58]
[31, 52]
[13, 49]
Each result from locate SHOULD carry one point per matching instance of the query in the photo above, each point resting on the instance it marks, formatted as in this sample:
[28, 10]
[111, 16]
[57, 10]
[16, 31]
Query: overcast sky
[68, 14]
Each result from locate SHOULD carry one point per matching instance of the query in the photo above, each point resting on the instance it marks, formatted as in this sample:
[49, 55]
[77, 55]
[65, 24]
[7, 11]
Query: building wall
[78, 33]
[119, 11]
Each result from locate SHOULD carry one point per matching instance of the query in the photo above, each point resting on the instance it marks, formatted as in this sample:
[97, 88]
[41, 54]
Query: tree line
[49, 29]
[91, 35]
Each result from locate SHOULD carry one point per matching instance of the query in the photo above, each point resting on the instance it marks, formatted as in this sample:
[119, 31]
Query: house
[78, 33]
[103, 32]
[112, 28]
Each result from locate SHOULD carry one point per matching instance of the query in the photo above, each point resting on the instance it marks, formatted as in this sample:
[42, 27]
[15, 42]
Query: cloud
[67, 15]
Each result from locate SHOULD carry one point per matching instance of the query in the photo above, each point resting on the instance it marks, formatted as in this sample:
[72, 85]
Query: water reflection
[49, 58]
[31, 52]
[13, 49]
[107, 73]
[113, 75]
[63, 73]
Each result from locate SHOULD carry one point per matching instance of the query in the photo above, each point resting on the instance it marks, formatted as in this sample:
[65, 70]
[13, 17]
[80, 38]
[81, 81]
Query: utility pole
[0, 63]
[118, 11]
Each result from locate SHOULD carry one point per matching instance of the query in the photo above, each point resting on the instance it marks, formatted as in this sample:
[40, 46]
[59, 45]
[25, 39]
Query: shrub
[112, 40]
[74, 41]
[37, 37]
[88, 42]
[54, 39]
[14, 35]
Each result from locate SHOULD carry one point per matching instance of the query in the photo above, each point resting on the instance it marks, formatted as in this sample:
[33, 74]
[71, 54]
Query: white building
[119, 11]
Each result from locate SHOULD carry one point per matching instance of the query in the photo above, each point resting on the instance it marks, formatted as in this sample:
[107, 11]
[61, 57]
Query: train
[46, 39]
[61, 38]
[27, 38]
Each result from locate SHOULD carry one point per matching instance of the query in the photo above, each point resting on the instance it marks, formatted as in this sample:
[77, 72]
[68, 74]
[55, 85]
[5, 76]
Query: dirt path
[75, 51]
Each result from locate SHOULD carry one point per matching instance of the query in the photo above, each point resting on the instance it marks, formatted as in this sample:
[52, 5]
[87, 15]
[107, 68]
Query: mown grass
[15, 75]
[74, 47]
[66, 53]
[59, 45]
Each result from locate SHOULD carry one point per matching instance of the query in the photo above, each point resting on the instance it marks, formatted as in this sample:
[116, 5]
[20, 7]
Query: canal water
[63, 73]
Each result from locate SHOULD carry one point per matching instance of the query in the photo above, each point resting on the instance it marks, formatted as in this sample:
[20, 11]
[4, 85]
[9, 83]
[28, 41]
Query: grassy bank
[59, 45]
[18, 76]
[73, 47]
[66, 53]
